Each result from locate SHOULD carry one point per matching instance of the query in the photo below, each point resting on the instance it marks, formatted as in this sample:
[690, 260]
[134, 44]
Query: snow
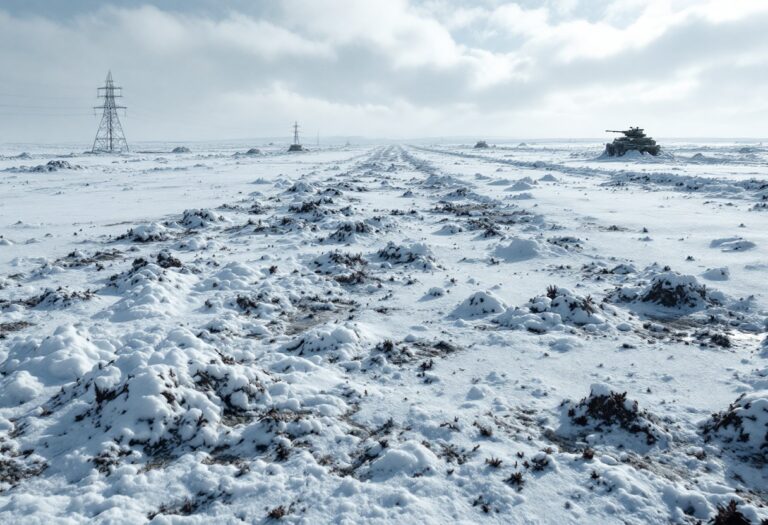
[717, 274]
[479, 304]
[743, 427]
[519, 250]
[732, 244]
[383, 334]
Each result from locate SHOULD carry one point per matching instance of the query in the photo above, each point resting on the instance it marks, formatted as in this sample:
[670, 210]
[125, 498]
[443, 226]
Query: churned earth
[384, 334]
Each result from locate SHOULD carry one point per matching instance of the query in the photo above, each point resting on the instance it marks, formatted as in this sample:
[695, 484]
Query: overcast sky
[215, 69]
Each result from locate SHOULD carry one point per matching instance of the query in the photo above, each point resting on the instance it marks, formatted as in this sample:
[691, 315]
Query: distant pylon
[110, 135]
[296, 146]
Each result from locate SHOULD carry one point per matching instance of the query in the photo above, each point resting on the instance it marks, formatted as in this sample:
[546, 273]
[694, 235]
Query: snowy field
[384, 334]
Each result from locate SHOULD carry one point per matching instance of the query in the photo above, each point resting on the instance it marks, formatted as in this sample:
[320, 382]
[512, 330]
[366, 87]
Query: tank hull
[633, 140]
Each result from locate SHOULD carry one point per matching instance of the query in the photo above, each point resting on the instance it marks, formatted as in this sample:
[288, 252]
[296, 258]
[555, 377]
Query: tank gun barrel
[613, 131]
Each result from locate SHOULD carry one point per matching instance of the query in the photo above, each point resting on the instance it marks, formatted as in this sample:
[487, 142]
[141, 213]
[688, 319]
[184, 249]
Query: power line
[37, 97]
[38, 107]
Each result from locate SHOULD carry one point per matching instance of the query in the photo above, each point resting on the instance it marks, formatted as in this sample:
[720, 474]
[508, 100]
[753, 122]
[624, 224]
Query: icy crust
[607, 415]
[558, 310]
[743, 427]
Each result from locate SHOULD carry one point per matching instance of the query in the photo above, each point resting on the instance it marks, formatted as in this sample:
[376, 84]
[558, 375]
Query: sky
[218, 70]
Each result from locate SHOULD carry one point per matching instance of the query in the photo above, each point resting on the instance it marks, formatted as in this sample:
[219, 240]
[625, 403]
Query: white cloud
[390, 67]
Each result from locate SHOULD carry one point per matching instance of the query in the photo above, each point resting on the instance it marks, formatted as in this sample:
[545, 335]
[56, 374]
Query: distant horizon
[362, 140]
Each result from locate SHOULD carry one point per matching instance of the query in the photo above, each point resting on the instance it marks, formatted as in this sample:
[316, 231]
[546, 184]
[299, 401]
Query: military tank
[481, 144]
[634, 139]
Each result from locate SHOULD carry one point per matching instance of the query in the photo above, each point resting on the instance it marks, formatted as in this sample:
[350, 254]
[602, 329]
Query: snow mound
[442, 181]
[61, 297]
[409, 459]
[523, 196]
[199, 218]
[743, 427]
[233, 276]
[522, 185]
[153, 232]
[52, 165]
[19, 388]
[62, 357]
[555, 311]
[146, 290]
[301, 187]
[607, 413]
[479, 304]
[416, 254]
[732, 244]
[336, 263]
[313, 210]
[449, 229]
[670, 290]
[717, 274]
[339, 342]
[435, 291]
[161, 398]
[519, 250]
[349, 231]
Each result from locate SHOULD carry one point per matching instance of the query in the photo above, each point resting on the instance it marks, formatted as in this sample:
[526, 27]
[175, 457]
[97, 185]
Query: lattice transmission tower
[110, 135]
[296, 146]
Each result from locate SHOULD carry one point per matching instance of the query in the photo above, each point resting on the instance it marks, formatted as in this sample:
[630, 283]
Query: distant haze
[207, 69]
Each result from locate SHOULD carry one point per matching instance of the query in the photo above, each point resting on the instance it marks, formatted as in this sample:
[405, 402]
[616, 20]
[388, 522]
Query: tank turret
[634, 139]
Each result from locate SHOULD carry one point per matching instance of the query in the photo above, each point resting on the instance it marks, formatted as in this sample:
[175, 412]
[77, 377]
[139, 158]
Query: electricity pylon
[110, 135]
[296, 146]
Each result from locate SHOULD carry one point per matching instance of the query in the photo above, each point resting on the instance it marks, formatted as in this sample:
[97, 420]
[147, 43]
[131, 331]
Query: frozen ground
[384, 334]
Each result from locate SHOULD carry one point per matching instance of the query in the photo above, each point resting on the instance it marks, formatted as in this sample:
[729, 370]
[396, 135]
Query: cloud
[390, 67]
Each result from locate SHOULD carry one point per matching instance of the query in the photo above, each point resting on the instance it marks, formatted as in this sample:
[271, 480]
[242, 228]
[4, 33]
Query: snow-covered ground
[384, 334]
